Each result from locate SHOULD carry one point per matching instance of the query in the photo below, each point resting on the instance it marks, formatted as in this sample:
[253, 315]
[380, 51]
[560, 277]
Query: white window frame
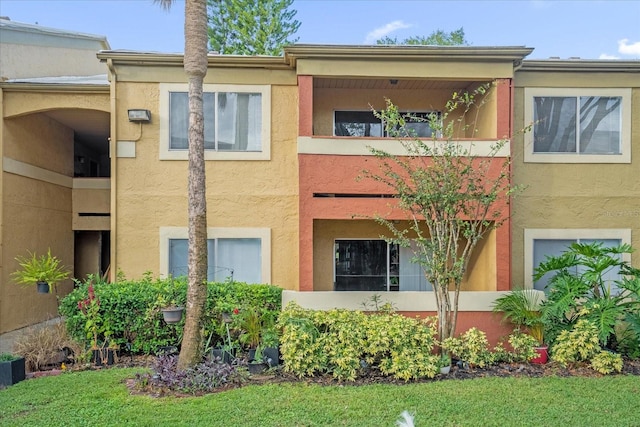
[531, 234]
[165, 153]
[625, 131]
[264, 234]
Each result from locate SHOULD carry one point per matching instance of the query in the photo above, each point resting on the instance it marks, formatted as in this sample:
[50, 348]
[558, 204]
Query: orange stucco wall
[329, 174]
[488, 322]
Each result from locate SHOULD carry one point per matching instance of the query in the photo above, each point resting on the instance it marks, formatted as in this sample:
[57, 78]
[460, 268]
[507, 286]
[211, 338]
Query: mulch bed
[372, 376]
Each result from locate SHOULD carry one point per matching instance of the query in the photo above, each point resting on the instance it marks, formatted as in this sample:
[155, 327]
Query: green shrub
[577, 345]
[606, 362]
[581, 344]
[522, 345]
[471, 347]
[343, 342]
[132, 309]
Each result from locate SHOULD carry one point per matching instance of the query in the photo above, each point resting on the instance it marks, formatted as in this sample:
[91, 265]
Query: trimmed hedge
[131, 309]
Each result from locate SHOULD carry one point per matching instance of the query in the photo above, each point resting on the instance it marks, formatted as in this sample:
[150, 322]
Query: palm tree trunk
[195, 66]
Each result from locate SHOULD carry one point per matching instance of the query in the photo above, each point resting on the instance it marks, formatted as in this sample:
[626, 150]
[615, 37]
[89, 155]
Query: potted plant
[270, 341]
[225, 353]
[257, 364]
[522, 308]
[43, 271]
[251, 328]
[12, 369]
[171, 312]
[445, 363]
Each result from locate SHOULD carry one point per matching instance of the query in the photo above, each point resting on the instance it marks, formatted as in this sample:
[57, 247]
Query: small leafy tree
[251, 27]
[451, 196]
[436, 38]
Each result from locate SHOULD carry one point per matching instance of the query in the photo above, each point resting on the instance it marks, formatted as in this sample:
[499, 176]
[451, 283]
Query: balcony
[336, 118]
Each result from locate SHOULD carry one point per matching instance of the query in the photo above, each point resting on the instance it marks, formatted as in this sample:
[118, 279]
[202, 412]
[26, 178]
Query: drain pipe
[113, 145]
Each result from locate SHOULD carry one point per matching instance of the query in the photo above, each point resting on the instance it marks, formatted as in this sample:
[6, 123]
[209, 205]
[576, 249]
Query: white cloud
[628, 49]
[385, 30]
[607, 56]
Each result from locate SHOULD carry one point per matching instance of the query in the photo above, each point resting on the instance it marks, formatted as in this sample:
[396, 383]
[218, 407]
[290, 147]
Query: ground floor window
[375, 265]
[237, 259]
[543, 244]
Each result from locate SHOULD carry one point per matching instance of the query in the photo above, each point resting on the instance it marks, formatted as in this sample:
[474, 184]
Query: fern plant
[34, 269]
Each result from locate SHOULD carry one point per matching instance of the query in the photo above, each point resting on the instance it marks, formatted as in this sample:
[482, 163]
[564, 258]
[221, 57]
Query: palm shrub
[579, 290]
[522, 308]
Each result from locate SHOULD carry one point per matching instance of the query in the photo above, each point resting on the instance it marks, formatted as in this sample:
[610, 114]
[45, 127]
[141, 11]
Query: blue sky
[587, 29]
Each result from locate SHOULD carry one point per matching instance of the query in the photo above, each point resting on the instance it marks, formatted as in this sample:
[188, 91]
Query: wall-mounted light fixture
[393, 81]
[137, 115]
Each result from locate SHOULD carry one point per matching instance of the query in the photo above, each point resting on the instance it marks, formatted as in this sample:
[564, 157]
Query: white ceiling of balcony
[386, 84]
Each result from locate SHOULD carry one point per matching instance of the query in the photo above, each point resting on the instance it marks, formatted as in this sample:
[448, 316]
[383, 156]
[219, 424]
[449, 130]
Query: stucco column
[305, 105]
[503, 108]
[306, 252]
[503, 256]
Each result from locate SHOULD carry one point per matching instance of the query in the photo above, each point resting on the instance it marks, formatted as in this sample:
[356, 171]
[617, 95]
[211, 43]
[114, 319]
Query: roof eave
[411, 52]
[54, 87]
[176, 59]
[584, 65]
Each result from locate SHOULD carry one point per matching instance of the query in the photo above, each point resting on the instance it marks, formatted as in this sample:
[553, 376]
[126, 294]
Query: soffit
[373, 84]
[90, 127]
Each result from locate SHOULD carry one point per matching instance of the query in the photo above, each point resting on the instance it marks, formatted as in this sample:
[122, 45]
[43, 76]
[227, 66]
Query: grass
[100, 398]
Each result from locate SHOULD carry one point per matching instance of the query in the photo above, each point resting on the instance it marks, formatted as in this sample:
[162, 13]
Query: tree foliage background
[251, 27]
[437, 38]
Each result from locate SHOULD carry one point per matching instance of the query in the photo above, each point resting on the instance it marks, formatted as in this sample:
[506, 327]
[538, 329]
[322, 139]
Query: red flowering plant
[94, 324]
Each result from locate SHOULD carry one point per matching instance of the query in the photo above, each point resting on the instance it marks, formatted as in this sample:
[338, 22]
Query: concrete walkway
[7, 340]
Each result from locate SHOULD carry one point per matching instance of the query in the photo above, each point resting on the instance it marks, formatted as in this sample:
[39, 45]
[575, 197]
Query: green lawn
[99, 398]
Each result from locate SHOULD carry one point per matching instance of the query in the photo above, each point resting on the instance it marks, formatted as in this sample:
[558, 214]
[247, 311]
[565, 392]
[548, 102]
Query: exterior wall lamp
[138, 115]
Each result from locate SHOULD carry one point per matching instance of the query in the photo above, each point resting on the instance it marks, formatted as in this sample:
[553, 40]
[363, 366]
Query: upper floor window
[236, 122]
[578, 125]
[232, 121]
[365, 123]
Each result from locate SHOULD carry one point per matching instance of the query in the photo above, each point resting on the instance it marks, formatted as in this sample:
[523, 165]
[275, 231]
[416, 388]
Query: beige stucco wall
[36, 213]
[19, 103]
[152, 193]
[575, 196]
[481, 274]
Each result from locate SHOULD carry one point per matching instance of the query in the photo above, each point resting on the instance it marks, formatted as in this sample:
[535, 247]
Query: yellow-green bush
[577, 345]
[471, 347]
[606, 362]
[343, 342]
